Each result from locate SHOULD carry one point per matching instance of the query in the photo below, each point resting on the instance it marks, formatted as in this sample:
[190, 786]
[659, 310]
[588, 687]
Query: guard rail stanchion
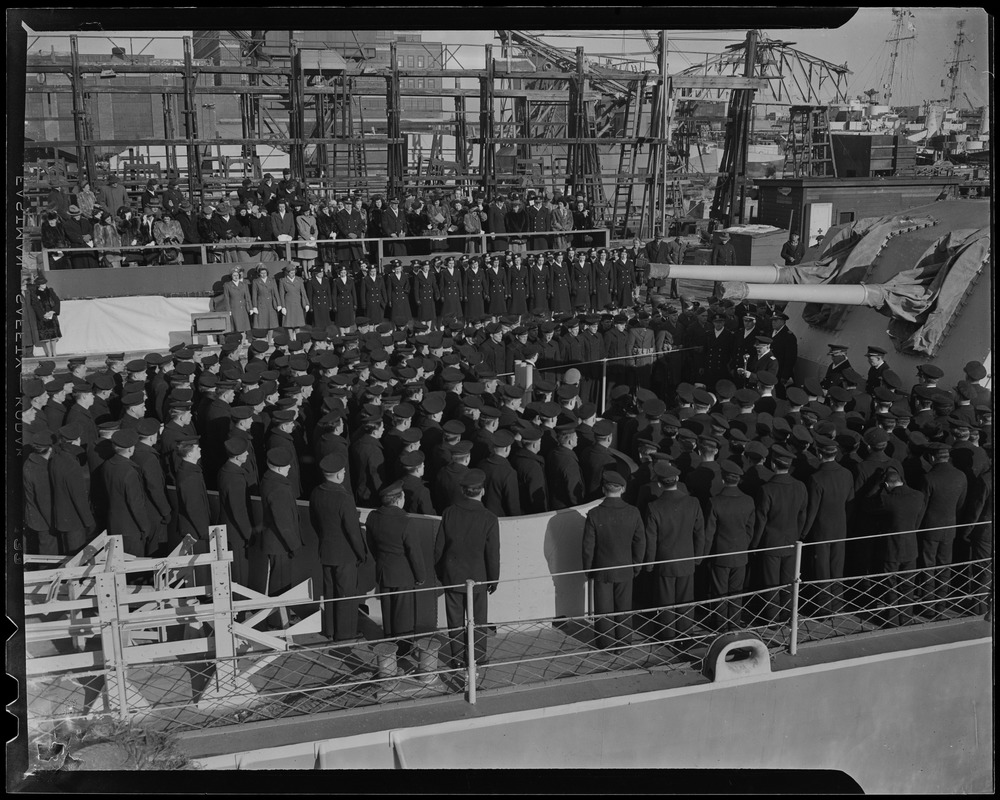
[470, 646]
[204, 253]
[379, 252]
[590, 597]
[793, 634]
[482, 244]
[604, 383]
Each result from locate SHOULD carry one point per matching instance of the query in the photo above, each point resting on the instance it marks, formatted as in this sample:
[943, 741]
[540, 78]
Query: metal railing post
[482, 244]
[380, 252]
[470, 648]
[604, 382]
[793, 634]
[204, 253]
[590, 597]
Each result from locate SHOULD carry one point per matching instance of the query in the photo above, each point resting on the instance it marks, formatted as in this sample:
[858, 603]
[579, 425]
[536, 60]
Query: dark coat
[729, 527]
[70, 490]
[373, 299]
[280, 533]
[781, 512]
[398, 292]
[831, 496]
[785, 346]
[425, 295]
[604, 284]
[502, 496]
[320, 299]
[345, 301]
[475, 293]
[193, 515]
[530, 469]
[613, 536]
[154, 482]
[37, 493]
[399, 561]
[559, 286]
[675, 528]
[467, 546]
[450, 290]
[563, 478]
[517, 281]
[899, 509]
[497, 288]
[234, 503]
[538, 288]
[496, 223]
[716, 358]
[367, 470]
[337, 524]
[945, 489]
[446, 489]
[128, 514]
[417, 497]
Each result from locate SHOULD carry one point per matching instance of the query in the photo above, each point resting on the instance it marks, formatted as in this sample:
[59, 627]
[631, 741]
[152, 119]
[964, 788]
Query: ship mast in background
[955, 67]
[904, 20]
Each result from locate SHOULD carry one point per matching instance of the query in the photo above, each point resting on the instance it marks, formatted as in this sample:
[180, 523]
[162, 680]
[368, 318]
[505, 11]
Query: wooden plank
[715, 82]
[58, 607]
[146, 653]
[268, 640]
[48, 665]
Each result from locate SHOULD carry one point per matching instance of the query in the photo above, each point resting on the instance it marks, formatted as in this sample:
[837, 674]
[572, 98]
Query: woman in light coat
[294, 301]
[562, 220]
[264, 296]
[309, 232]
[107, 240]
[237, 294]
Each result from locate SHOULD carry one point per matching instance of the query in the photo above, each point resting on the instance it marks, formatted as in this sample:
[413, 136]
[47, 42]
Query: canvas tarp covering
[125, 323]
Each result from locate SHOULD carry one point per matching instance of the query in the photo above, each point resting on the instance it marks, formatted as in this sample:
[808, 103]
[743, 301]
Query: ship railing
[163, 662]
[243, 249]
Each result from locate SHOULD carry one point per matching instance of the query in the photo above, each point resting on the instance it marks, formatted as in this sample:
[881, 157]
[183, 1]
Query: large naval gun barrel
[706, 272]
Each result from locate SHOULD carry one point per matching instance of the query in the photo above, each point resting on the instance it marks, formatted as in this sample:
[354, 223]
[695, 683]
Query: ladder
[809, 153]
[726, 202]
[628, 163]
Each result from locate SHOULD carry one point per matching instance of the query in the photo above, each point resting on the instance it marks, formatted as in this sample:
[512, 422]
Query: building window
[420, 62]
[846, 217]
[420, 83]
[400, 64]
[409, 61]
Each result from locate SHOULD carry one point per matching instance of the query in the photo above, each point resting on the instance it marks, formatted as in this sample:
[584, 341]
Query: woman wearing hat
[226, 230]
[80, 234]
[562, 220]
[29, 320]
[237, 294]
[167, 232]
[151, 194]
[326, 228]
[472, 223]
[293, 299]
[53, 237]
[84, 197]
[206, 231]
[375, 226]
[308, 233]
[517, 279]
[264, 296]
[516, 221]
[45, 304]
[107, 239]
[320, 297]
[282, 227]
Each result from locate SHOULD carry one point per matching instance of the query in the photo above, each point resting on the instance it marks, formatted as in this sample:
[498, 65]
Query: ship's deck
[541, 694]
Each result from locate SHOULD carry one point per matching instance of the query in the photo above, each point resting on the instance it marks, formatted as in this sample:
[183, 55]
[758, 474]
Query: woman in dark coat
[374, 226]
[372, 295]
[425, 294]
[345, 299]
[516, 222]
[496, 288]
[397, 289]
[475, 291]
[54, 238]
[326, 224]
[559, 288]
[604, 281]
[539, 289]
[450, 289]
[29, 321]
[581, 279]
[517, 279]
[45, 304]
[320, 297]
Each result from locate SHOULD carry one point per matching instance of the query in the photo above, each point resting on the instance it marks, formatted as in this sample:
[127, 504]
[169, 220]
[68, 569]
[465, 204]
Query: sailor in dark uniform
[877, 366]
[838, 363]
